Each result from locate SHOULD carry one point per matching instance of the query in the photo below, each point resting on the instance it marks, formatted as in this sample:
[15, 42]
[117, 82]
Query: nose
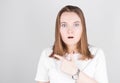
[70, 30]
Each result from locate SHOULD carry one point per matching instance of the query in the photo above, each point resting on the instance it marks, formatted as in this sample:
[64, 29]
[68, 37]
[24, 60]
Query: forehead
[69, 17]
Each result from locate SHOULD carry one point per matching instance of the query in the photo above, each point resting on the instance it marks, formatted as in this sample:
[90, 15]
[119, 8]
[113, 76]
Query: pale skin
[71, 27]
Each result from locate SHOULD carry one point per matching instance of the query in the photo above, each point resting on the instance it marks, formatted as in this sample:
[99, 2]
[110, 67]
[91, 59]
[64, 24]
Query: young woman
[71, 59]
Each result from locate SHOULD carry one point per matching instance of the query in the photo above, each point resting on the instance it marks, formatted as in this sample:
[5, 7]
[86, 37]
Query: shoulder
[95, 51]
[44, 57]
[47, 51]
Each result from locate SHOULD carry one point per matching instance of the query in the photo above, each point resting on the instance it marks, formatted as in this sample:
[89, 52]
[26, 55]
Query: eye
[63, 25]
[76, 24]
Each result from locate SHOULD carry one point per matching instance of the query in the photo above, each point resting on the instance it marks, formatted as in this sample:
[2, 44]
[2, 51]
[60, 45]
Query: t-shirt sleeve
[101, 70]
[42, 70]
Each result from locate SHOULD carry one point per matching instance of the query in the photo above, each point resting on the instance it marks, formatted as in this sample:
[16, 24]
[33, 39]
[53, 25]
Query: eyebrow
[63, 22]
[77, 22]
[73, 22]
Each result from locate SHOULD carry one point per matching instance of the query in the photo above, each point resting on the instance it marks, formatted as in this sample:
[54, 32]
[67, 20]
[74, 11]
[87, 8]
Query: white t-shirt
[49, 68]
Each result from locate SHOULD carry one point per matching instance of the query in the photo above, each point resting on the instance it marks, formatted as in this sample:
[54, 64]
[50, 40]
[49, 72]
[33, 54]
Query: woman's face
[70, 28]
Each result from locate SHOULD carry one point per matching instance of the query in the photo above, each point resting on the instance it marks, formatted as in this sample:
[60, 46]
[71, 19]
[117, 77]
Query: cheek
[62, 33]
[78, 35]
[78, 32]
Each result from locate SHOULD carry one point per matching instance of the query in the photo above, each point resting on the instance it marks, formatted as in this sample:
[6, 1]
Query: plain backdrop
[27, 27]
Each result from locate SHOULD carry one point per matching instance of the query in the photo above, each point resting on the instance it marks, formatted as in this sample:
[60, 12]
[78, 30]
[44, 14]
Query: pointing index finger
[58, 56]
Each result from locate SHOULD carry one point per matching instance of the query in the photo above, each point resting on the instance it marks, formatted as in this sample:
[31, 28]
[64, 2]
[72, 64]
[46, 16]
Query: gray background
[27, 27]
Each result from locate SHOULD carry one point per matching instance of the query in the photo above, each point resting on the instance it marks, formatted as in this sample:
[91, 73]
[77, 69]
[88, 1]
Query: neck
[72, 49]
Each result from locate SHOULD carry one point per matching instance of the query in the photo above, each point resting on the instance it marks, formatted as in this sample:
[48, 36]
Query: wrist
[76, 75]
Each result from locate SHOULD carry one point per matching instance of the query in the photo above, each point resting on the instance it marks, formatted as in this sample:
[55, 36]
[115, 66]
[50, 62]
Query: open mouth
[70, 37]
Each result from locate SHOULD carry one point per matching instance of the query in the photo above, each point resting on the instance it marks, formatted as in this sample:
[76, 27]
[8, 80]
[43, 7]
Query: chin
[69, 44]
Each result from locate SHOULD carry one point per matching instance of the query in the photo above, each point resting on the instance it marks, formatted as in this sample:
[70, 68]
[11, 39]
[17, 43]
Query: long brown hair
[59, 46]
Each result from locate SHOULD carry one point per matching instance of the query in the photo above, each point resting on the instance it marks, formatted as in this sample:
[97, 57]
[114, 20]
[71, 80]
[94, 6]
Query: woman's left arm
[83, 78]
[70, 68]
